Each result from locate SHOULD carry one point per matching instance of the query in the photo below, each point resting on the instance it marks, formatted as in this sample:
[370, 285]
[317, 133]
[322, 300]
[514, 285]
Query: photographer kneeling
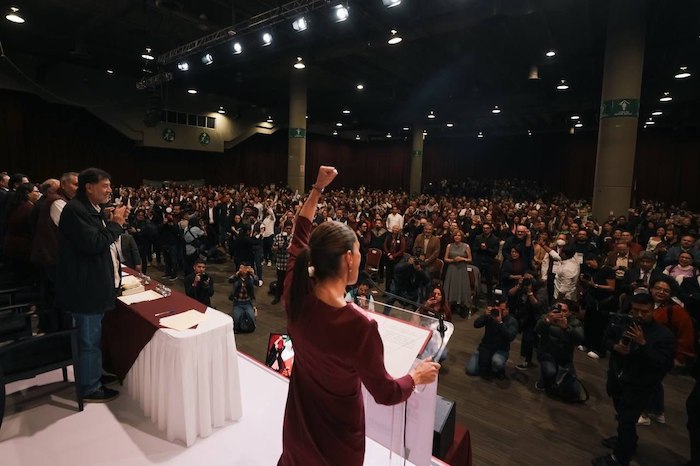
[492, 354]
[199, 285]
[559, 331]
[243, 297]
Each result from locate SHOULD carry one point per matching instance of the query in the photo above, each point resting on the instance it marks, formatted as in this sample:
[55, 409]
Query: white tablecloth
[187, 381]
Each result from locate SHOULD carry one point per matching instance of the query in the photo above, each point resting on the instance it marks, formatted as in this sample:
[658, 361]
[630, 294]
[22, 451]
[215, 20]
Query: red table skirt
[460, 453]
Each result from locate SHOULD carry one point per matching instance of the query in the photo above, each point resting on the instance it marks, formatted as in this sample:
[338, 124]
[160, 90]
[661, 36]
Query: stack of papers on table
[149, 295]
[184, 320]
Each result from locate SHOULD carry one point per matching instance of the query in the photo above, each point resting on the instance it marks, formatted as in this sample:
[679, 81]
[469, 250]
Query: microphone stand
[441, 328]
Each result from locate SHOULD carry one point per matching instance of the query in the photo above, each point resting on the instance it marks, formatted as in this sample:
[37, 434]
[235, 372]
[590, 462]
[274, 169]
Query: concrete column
[296, 163]
[619, 115]
[417, 160]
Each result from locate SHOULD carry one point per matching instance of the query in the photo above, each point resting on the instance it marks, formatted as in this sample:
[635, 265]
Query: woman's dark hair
[328, 242]
[20, 196]
[92, 176]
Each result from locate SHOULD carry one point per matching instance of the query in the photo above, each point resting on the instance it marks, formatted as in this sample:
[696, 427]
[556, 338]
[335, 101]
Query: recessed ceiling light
[395, 38]
[650, 122]
[496, 110]
[191, 91]
[341, 13]
[550, 54]
[360, 87]
[480, 135]
[563, 85]
[357, 138]
[578, 125]
[269, 119]
[267, 39]
[147, 54]
[300, 24]
[425, 133]
[335, 133]
[14, 16]
[683, 73]
[406, 128]
[346, 111]
[666, 97]
[207, 59]
[339, 125]
[110, 71]
[221, 110]
[388, 135]
[431, 115]
[575, 117]
[529, 133]
[450, 125]
[299, 64]
[657, 113]
[183, 66]
[237, 48]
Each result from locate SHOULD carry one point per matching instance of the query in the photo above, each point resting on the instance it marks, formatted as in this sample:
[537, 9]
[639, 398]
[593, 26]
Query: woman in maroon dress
[336, 348]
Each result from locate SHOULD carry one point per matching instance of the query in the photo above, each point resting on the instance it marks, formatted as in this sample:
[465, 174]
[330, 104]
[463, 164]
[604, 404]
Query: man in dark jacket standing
[90, 273]
[641, 355]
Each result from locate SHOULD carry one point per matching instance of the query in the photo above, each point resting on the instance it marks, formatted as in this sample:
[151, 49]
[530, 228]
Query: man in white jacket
[566, 278]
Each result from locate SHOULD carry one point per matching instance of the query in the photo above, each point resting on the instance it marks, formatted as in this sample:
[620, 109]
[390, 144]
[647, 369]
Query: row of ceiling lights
[683, 73]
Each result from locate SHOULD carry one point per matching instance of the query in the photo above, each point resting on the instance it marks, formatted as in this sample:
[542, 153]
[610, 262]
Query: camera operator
[279, 249]
[641, 354]
[598, 286]
[243, 297]
[492, 354]
[362, 296]
[199, 285]
[527, 301]
[559, 331]
[410, 280]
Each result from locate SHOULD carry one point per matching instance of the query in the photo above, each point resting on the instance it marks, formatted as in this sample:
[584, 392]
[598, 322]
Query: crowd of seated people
[549, 270]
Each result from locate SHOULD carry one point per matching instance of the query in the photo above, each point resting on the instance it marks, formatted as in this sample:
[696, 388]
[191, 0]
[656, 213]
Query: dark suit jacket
[130, 252]
[611, 260]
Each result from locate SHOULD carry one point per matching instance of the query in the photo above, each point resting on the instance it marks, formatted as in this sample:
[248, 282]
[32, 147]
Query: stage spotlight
[395, 38]
[300, 24]
[267, 39]
[183, 66]
[391, 3]
[207, 59]
[299, 64]
[341, 13]
[563, 85]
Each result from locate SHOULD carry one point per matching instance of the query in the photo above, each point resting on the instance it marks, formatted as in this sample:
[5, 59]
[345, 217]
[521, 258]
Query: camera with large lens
[527, 282]
[204, 278]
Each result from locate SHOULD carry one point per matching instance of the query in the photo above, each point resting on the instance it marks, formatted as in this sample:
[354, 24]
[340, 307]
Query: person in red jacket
[674, 317]
[336, 347]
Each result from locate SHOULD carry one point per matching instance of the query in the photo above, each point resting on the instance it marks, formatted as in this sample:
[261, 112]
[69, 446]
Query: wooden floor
[510, 422]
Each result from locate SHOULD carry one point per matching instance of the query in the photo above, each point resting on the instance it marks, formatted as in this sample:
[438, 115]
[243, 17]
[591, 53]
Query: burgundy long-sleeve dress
[335, 349]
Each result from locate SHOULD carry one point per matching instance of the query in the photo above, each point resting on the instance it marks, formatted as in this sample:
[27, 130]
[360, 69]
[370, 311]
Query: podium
[406, 429]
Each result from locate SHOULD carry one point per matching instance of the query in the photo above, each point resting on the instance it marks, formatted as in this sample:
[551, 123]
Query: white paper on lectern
[402, 341]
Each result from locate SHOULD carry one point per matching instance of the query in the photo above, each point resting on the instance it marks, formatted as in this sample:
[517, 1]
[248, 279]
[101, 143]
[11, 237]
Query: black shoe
[108, 379]
[275, 301]
[607, 460]
[101, 395]
[610, 442]
[540, 386]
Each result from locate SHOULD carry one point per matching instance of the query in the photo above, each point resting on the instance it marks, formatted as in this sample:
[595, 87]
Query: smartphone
[495, 312]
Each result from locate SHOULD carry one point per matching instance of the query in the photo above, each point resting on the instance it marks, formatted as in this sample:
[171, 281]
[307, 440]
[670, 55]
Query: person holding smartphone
[641, 355]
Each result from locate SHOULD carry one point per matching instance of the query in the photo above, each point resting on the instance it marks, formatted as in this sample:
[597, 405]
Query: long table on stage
[186, 381]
